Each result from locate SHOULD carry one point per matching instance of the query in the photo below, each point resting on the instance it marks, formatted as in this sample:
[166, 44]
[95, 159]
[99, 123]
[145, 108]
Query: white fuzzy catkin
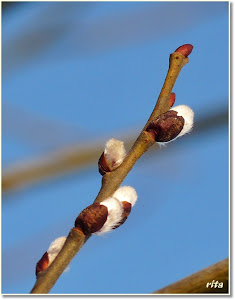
[114, 152]
[188, 115]
[55, 248]
[126, 193]
[115, 211]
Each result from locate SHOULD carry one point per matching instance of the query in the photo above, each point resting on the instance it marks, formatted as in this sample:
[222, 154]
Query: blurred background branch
[36, 131]
[77, 157]
[55, 23]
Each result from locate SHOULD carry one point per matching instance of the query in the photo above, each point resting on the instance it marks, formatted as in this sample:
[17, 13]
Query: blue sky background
[78, 72]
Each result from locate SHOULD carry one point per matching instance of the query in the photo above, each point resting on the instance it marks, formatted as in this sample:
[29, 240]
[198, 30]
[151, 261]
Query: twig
[112, 180]
[197, 283]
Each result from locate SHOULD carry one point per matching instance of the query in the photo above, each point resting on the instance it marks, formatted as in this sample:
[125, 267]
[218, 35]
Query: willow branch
[197, 282]
[111, 181]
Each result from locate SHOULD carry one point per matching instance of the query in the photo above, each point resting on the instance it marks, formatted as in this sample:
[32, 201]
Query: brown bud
[166, 126]
[42, 263]
[103, 165]
[126, 211]
[185, 49]
[172, 99]
[92, 218]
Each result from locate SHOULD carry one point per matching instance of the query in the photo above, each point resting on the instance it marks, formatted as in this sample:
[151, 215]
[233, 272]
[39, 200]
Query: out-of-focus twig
[76, 157]
[59, 19]
[38, 131]
[11, 4]
[201, 282]
[55, 164]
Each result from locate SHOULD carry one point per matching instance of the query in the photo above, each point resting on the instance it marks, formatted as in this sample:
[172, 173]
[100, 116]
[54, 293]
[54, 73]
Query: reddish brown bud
[92, 218]
[172, 99]
[185, 49]
[126, 211]
[103, 165]
[166, 126]
[42, 263]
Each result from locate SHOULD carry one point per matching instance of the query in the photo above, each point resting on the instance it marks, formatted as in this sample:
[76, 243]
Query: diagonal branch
[112, 180]
[197, 283]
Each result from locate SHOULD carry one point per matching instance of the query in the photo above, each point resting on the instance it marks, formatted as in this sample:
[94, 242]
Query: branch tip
[185, 49]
